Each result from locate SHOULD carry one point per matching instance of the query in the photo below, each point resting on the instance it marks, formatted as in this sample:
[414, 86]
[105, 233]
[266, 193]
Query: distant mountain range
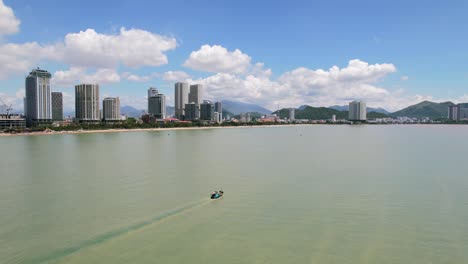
[321, 113]
[237, 108]
[425, 109]
[369, 109]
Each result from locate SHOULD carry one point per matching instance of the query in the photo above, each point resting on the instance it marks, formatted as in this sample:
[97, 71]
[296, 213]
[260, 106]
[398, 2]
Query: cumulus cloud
[133, 48]
[76, 75]
[9, 24]
[89, 49]
[358, 80]
[174, 76]
[138, 78]
[218, 59]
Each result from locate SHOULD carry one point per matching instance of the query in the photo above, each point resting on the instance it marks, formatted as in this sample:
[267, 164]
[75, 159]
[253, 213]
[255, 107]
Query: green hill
[322, 113]
[425, 109]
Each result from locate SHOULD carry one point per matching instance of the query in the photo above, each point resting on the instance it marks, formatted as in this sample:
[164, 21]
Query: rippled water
[302, 194]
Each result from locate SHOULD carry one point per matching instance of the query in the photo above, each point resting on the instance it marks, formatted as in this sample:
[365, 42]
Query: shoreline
[120, 130]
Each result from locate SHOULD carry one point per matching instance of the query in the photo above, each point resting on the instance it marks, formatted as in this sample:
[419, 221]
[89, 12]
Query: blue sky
[403, 51]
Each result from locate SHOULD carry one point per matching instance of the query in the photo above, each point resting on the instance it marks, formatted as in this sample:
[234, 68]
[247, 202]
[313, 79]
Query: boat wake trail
[116, 233]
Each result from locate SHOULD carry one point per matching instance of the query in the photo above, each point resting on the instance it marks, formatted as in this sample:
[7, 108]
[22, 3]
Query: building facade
[454, 112]
[195, 95]
[207, 111]
[292, 114]
[57, 106]
[192, 112]
[219, 109]
[111, 109]
[156, 104]
[12, 122]
[38, 100]
[357, 111]
[87, 103]
[180, 99]
[152, 92]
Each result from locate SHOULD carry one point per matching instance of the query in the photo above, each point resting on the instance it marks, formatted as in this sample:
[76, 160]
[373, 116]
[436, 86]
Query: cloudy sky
[272, 53]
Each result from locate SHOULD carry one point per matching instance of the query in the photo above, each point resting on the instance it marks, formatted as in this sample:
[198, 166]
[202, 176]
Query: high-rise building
[219, 109]
[192, 111]
[195, 95]
[207, 111]
[333, 118]
[156, 104]
[180, 98]
[217, 117]
[152, 92]
[463, 113]
[57, 106]
[357, 111]
[292, 114]
[87, 102]
[38, 103]
[111, 109]
[454, 112]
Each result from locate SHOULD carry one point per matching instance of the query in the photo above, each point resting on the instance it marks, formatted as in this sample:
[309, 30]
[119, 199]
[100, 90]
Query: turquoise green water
[309, 194]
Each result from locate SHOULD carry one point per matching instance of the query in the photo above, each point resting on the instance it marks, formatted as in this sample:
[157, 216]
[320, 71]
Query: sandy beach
[43, 133]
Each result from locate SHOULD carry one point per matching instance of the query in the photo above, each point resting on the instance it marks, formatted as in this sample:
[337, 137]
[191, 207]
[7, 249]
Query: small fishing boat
[216, 194]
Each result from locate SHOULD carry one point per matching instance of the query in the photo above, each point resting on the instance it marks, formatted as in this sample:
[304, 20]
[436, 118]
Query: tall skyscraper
[87, 102]
[152, 92]
[454, 112]
[196, 93]
[111, 109]
[219, 109]
[207, 111]
[192, 111]
[292, 114]
[38, 103]
[180, 98]
[357, 111]
[156, 104]
[57, 106]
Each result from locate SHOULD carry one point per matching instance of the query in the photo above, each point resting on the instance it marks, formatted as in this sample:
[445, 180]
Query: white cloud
[89, 49]
[404, 78]
[76, 75]
[9, 24]
[302, 85]
[175, 76]
[137, 78]
[218, 59]
[133, 48]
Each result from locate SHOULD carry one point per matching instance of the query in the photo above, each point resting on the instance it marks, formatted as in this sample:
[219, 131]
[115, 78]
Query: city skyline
[384, 68]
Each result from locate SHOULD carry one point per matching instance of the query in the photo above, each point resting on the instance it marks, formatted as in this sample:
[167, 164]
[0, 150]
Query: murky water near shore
[301, 194]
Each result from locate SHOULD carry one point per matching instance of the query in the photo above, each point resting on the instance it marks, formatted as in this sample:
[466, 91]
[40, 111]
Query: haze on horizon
[389, 54]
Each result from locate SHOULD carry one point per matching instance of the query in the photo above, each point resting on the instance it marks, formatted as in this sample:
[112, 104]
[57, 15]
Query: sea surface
[299, 194]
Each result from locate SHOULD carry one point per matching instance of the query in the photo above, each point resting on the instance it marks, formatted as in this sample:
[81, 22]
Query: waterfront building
[195, 95]
[219, 109]
[12, 122]
[333, 118]
[192, 111]
[156, 104]
[217, 117]
[180, 99]
[292, 114]
[152, 91]
[463, 113]
[357, 111]
[57, 106]
[111, 109]
[38, 101]
[87, 103]
[207, 111]
[454, 112]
